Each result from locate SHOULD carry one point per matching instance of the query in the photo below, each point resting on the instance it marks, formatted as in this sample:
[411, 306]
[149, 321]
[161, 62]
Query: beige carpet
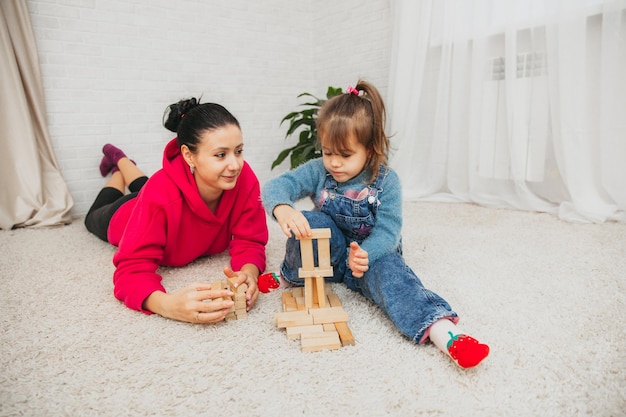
[548, 296]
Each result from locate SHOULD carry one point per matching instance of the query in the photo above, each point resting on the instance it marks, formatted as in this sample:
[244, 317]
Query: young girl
[359, 198]
[203, 201]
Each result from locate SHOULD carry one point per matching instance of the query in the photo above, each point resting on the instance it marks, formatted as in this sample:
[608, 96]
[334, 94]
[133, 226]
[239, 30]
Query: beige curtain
[32, 193]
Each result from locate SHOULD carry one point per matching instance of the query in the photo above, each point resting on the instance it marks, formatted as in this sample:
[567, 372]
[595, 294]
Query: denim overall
[389, 282]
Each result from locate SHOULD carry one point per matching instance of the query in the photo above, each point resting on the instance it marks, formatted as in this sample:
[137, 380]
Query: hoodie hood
[179, 173]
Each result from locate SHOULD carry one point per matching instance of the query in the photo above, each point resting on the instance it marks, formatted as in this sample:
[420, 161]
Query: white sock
[439, 333]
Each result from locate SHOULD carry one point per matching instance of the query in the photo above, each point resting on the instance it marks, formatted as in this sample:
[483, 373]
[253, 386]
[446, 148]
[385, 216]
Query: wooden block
[322, 233]
[328, 327]
[313, 288]
[345, 335]
[241, 314]
[296, 321]
[300, 304]
[297, 292]
[231, 284]
[308, 292]
[320, 296]
[294, 332]
[323, 253]
[288, 314]
[293, 318]
[333, 300]
[315, 272]
[289, 303]
[329, 315]
[286, 296]
[306, 252]
[313, 342]
[217, 286]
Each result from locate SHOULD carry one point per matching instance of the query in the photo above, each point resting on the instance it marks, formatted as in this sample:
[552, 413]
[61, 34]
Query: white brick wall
[111, 67]
[352, 41]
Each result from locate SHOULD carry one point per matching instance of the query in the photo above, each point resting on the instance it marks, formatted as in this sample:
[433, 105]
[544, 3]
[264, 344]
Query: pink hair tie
[352, 90]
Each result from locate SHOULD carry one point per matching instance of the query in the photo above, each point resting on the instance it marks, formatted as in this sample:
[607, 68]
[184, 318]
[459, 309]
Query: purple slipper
[111, 156]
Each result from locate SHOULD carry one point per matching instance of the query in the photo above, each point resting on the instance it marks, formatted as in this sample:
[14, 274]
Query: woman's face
[218, 160]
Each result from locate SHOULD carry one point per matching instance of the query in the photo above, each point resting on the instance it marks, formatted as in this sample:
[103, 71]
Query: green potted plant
[307, 147]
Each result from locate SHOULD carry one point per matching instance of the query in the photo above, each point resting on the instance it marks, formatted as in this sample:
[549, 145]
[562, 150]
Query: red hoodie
[169, 224]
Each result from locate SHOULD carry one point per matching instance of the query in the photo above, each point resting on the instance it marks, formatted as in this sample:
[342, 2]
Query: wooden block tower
[237, 311]
[314, 276]
[314, 314]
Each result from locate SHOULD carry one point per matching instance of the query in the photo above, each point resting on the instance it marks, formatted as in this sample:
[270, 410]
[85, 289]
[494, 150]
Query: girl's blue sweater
[308, 179]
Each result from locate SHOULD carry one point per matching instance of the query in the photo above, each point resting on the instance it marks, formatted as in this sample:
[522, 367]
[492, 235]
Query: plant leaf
[290, 116]
[297, 123]
[305, 136]
[281, 157]
[307, 147]
[333, 91]
[309, 95]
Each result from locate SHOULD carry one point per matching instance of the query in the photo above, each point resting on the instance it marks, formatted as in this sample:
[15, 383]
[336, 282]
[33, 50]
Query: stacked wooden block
[314, 314]
[318, 328]
[237, 311]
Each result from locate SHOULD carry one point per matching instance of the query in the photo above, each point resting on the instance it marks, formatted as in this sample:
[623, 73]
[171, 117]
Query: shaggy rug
[547, 296]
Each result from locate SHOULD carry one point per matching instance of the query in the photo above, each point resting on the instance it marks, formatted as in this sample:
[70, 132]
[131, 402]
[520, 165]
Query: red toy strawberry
[466, 350]
[268, 282]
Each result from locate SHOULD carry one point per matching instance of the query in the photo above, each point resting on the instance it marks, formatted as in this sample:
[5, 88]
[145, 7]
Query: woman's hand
[248, 275]
[292, 220]
[358, 260]
[195, 303]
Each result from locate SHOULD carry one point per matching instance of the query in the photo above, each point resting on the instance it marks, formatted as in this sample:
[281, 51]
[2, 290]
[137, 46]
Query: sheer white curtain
[517, 104]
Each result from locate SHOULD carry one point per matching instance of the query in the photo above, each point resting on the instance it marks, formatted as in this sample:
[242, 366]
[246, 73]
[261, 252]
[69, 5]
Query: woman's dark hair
[189, 119]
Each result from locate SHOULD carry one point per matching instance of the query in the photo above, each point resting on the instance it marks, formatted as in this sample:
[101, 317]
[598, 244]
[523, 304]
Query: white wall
[352, 40]
[111, 67]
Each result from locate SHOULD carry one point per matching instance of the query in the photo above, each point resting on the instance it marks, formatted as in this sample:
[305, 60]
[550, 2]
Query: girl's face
[346, 164]
[218, 160]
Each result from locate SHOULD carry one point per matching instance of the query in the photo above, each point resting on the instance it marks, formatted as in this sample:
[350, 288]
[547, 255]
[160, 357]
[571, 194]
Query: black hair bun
[174, 113]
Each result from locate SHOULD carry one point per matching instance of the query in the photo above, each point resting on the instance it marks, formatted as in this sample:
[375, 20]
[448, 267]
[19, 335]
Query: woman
[204, 200]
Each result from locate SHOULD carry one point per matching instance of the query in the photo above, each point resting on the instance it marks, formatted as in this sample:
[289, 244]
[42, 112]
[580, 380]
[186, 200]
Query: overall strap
[331, 185]
[382, 174]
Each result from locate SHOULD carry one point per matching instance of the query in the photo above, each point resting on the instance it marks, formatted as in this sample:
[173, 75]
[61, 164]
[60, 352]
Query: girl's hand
[292, 220]
[193, 303]
[358, 260]
[247, 276]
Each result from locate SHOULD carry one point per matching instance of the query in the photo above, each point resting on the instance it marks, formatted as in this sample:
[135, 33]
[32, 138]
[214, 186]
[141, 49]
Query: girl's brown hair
[360, 111]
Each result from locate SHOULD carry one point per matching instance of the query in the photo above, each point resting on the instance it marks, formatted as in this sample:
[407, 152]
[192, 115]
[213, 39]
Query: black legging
[107, 202]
